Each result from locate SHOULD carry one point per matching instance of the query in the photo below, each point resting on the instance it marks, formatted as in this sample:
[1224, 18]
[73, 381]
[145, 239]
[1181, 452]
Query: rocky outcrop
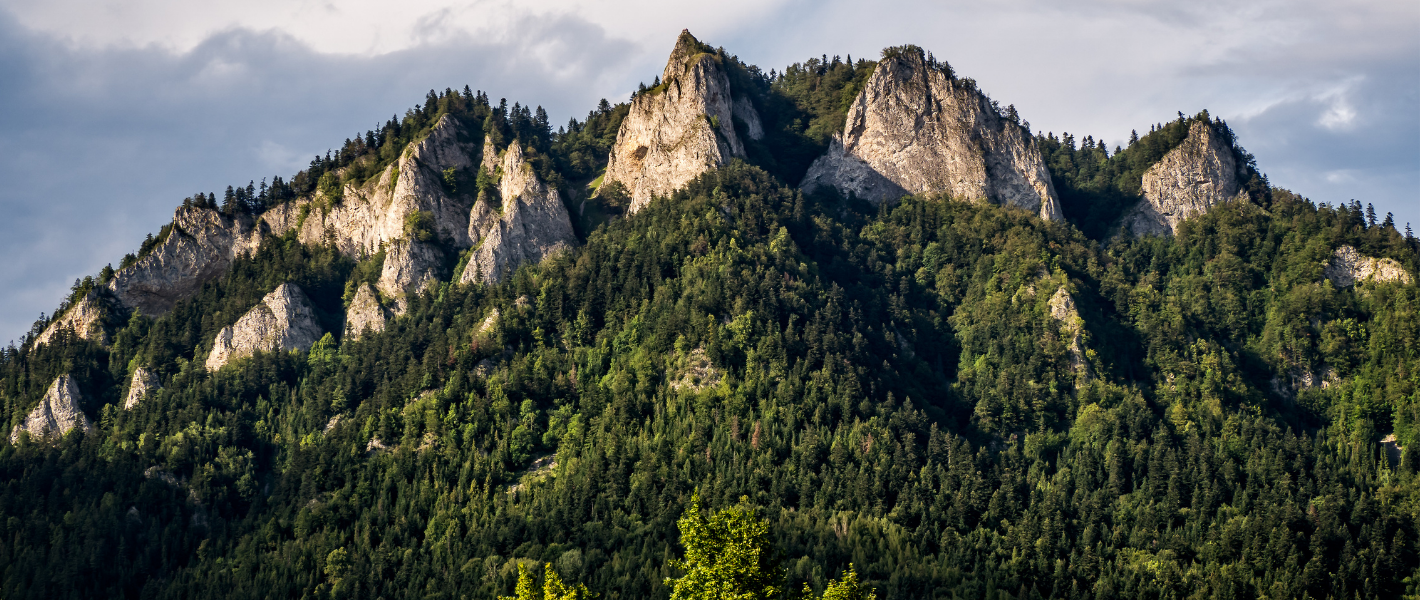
[410, 267]
[373, 213]
[200, 246]
[1062, 309]
[365, 314]
[56, 414]
[1348, 267]
[679, 129]
[141, 384]
[284, 320]
[528, 223]
[86, 319]
[915, 129]
[1199, 174]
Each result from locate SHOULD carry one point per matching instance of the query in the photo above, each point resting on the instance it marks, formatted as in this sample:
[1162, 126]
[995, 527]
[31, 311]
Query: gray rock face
[201, 245]
[373, 213]
[142, 383]
[1197, 175]
[365, 314]
[1062, 309]
[531, 225]
[685, 129]
[56, 414]
[915, 130]
[284, 320]
[1348, 267]
[85, 318]
[411, 267]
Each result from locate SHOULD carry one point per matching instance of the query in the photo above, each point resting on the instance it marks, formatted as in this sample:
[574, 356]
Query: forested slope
[892, 386]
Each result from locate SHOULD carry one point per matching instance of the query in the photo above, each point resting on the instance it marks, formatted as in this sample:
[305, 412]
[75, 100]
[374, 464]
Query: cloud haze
[115, 111]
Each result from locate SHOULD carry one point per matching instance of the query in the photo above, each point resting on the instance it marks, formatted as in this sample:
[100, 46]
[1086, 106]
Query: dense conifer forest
[881, 386]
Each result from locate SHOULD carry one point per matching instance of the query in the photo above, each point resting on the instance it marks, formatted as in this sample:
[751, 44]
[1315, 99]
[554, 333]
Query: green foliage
[727, 556]
[552, 587]
[330, 187]
[419, 225]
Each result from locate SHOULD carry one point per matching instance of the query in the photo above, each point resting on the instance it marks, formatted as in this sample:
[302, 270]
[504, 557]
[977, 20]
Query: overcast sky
[113, 111]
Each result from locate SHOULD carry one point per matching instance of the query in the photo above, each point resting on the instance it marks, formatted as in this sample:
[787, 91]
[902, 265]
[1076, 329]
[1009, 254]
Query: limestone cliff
[56, 414]
[1062, 309]
[365, 313]
[410, 267]
[530, 224]
[1197, 175]
[373, 213]
[140, 385]
[86, 318]
[284, 320]
[200, 246]
[679, 129]
[915, 129]
[1348, 267]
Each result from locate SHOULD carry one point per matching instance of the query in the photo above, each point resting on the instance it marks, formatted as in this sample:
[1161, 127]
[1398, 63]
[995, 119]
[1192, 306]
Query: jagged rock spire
[914, 128]
[1197, 175]
[679, 129]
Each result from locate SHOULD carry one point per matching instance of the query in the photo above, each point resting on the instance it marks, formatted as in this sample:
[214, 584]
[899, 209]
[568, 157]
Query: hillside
[957, 389]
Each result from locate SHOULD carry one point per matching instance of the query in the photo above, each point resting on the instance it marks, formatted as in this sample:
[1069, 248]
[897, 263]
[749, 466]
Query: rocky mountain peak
[1199, 174]
[284, 320]
[529, 223]
[57, 413]
[679, 129]
[916, 129]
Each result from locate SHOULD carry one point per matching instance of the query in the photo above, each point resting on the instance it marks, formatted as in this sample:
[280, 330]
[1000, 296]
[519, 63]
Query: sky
[114, 111]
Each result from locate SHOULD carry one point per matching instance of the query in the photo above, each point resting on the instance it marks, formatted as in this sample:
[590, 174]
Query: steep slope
[86, 318]
[679, 129]
[365, 314]
[374, 213]
[200, 246]
[284, 320]
[140, 385]
[916, 129]
[1191, 179]
[411, 266]
[529, 223]
[57, 413]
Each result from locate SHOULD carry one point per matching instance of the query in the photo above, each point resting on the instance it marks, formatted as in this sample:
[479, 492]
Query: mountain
[880, 332]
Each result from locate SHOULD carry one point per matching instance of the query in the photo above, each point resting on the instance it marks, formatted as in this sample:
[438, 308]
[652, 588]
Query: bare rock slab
[1349, 267]
[56, 414]
[283, 321]
[1188, 181]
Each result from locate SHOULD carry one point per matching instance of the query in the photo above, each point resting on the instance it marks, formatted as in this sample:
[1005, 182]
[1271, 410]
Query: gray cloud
[106, 142]
[107, 135]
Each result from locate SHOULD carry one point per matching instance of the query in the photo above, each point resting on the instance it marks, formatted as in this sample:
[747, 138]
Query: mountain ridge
[946, 397]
